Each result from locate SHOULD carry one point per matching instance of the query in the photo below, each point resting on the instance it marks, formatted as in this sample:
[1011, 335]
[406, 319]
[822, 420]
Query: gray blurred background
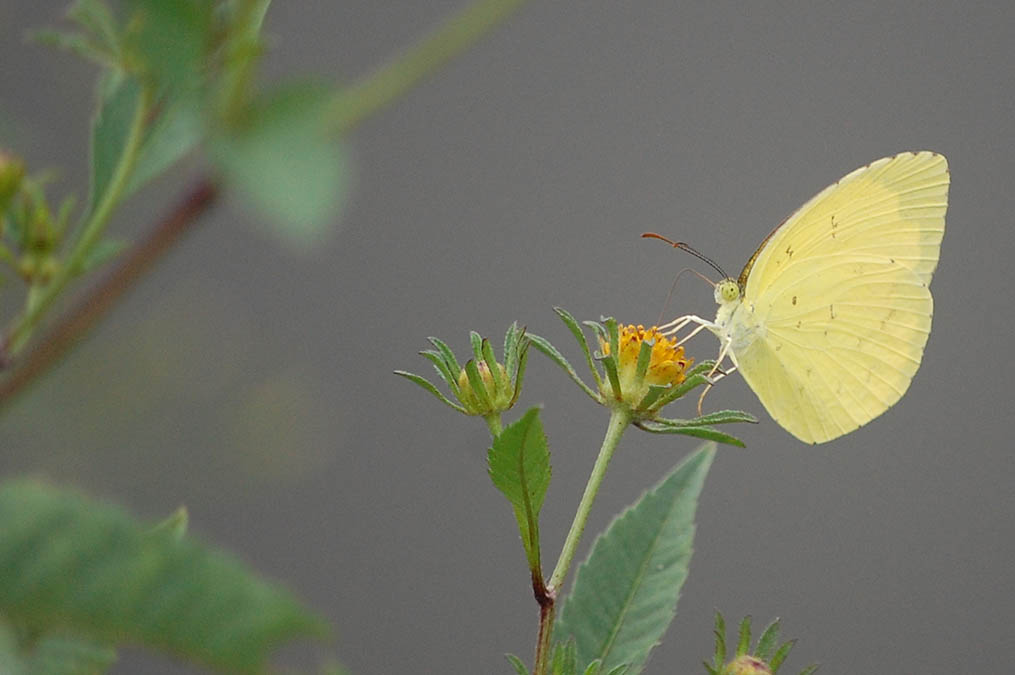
[253, 383]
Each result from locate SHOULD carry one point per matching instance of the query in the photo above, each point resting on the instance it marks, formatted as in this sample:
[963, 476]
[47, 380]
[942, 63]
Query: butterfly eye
[727, 290]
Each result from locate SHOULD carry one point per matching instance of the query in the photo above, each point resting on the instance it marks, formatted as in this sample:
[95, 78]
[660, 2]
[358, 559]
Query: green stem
[90, 233]
[493, 422]
[619, 420]
[361, 100]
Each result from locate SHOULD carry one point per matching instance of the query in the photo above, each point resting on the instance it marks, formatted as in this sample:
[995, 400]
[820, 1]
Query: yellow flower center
[666, 366]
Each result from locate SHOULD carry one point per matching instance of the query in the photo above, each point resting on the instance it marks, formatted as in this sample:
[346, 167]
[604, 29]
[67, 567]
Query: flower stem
[619, 420]
[493, 422]
[90, 234]
[459, 32]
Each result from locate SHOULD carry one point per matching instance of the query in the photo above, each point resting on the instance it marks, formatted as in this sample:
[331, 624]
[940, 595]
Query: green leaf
[119, 98]
[519, 466]
[92, 570]
[625, 594]
[517, 664]
[62, 654]
[286, 165]
[171, 38]
[176, 131]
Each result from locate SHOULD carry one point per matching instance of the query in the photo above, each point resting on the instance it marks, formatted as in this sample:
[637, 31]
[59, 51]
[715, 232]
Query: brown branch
[97, 302]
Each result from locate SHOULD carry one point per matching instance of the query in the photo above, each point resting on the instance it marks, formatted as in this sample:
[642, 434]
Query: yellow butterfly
[828, 320]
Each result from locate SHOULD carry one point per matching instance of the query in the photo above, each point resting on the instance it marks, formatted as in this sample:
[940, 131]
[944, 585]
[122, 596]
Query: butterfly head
[727, 291]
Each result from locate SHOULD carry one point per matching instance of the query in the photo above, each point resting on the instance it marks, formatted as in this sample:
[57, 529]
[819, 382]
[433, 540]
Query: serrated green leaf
[91, 569]
[517, 664]
[286, 165]
[519, 466]
[119, 98]
[767, 641]
[625, 594]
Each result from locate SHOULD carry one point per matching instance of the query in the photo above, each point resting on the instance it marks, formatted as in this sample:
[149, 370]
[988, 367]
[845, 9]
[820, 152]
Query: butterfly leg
[722, 373]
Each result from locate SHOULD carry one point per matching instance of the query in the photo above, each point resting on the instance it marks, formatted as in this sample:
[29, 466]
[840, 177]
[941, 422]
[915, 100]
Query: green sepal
[720, 640]
[694, 378]
[491, 362]
[449, 356]
[519, 466]
[610, 366]
[654, 392]
[477, 385]
[620, 670]
[810, 670]
[579, 336]
[707, 433]
[442, 369]
[744, 639]
[476, 340]
[425, 383]
[97, 18]
[523, 358]
[517, 664]
[780, 655]
[543, 345]
[614, 333]
[767, 642]
[718, 417]
[644, 357]
[511, 338]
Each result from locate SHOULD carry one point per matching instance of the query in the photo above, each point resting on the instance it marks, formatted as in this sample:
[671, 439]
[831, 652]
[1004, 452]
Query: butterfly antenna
[684, 247]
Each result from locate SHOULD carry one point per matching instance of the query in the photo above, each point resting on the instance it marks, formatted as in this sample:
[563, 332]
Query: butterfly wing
[839, 301]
